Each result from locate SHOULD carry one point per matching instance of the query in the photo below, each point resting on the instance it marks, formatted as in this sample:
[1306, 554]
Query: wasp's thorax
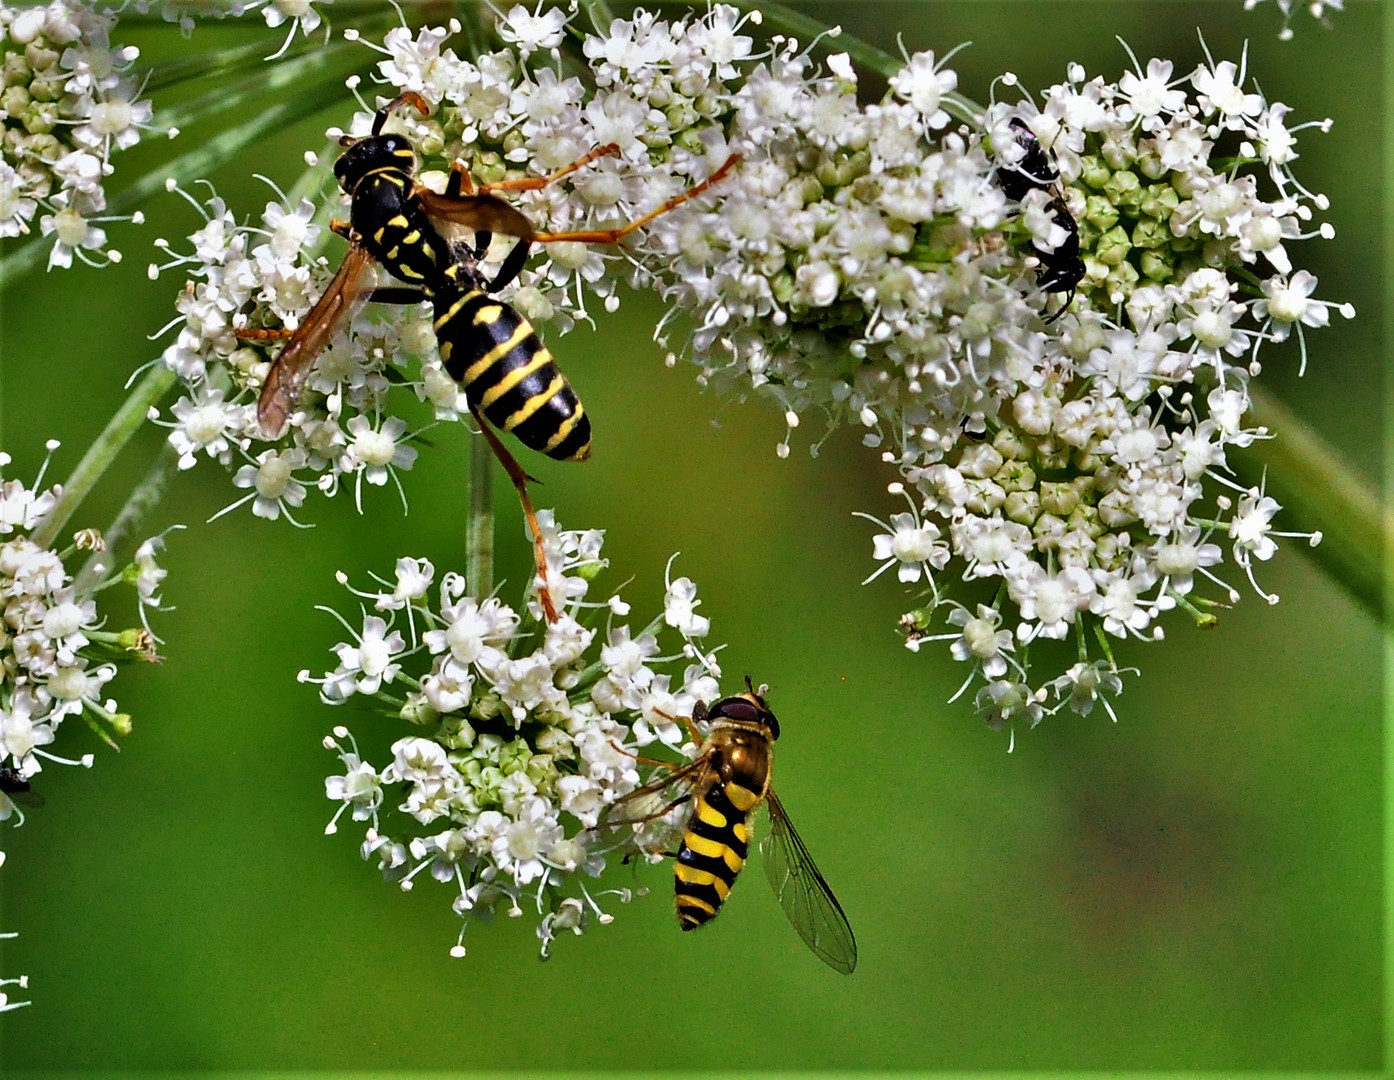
[371, 154]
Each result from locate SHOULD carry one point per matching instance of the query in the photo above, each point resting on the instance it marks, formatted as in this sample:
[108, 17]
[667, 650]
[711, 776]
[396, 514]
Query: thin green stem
[479, 531]
[142, 500]
[124, 424]
[1321, 491]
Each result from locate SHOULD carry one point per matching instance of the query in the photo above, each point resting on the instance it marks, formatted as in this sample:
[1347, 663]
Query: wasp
[724, 784]
[508, 376]
[1060, 270]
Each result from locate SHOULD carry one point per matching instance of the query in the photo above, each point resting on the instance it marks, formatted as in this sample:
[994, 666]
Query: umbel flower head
[516, 733]
[866, 262]
[56, 657]
[67, 104]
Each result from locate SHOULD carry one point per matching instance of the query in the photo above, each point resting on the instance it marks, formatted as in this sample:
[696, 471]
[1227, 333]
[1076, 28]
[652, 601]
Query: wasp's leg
[397, 294]
[614, 236]
[520, 483]
[532, 183]
[511, 268]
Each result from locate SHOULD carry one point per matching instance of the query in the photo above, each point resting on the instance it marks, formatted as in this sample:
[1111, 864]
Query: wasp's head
[378, 151]
[373, 153]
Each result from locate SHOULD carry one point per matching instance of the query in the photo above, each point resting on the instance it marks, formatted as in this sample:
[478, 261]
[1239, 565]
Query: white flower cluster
[68, 102]
[866, 262]
[298, 15]
[1317, 9]
[525, 731]
[55, 656]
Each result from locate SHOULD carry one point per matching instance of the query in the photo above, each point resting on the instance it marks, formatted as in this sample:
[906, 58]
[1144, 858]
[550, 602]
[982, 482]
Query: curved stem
[142, 500]
[1320, 490]
[479, 531]
[124, 424]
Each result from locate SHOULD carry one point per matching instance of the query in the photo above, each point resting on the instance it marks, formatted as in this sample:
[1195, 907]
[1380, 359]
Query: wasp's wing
[482, 213]
[345, 294]
[804, 894]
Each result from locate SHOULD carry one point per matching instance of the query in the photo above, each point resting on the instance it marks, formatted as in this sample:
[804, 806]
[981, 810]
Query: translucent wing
[482, 213]
[345, 294]
[657, 798]
[804, 894]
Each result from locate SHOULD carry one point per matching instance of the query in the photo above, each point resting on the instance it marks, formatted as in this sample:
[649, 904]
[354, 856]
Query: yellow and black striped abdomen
[508, 374]
[714, 848]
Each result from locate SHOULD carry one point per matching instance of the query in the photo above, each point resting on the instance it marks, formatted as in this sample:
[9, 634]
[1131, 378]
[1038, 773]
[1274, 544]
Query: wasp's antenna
[406, 97]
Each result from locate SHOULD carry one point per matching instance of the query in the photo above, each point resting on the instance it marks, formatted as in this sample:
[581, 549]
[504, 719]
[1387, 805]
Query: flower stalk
[1320, 489]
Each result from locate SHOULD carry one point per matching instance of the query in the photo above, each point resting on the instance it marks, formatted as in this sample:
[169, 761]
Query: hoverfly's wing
[344, 295]
[656, 798]
[804, 894]
[482, 213]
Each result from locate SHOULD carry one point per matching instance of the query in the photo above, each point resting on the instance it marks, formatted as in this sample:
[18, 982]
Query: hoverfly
[14, 786]
[724, 784]
[1060, 270]
[508, 375]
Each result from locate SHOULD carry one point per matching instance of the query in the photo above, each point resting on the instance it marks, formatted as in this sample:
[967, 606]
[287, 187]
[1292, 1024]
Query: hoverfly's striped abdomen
[714, 848]
[508, 374]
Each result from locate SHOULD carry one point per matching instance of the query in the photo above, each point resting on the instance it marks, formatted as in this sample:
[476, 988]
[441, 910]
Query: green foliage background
[1196, 887]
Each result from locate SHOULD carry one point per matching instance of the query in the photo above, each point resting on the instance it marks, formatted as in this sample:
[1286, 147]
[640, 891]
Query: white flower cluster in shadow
[56, 654]
[515, 733]
[68, 103]
[1316, 8]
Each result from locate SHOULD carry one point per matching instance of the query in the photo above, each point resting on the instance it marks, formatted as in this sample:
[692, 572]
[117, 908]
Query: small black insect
[1060, 270]
[17, 788]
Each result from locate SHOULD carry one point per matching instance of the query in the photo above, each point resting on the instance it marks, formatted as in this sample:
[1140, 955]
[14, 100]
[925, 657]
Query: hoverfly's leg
[642, 760]
[686, 721]
[520, 483]
[614, 236]
[511, 268]
[532, 183]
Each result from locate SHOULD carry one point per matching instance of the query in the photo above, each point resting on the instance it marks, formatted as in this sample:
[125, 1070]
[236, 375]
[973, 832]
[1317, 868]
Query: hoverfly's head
[751, 707]
[377, 151]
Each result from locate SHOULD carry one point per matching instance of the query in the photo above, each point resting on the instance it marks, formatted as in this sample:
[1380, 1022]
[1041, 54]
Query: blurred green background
[1196, 887]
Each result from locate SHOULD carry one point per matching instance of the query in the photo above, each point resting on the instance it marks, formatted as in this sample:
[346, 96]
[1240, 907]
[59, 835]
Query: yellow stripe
[454, 310]
[743, 799]
[564, 430]
[535, 402]
[540, 359]
[487, 316]
[692, 901]
[706, 812]
[712, 849]
[398, 222]
[492, 357]
[733, 860]
[692, 876]
[740, 832]
[412, 237]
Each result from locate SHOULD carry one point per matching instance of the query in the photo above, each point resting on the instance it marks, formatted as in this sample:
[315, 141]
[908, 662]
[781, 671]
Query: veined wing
[658, 797]
[344, 295]
[804, 894]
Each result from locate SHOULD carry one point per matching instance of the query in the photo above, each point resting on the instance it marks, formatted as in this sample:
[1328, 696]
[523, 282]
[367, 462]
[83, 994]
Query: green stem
[142, 500]
[479, 531]
[1321, 491]
[102, 453]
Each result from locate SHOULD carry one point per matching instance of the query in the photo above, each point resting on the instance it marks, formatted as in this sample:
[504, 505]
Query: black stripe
[713, 865]
[697, 916]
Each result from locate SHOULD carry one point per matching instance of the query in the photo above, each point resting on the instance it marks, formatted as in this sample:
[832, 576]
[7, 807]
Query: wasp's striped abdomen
[714, 848]
[506, 371]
